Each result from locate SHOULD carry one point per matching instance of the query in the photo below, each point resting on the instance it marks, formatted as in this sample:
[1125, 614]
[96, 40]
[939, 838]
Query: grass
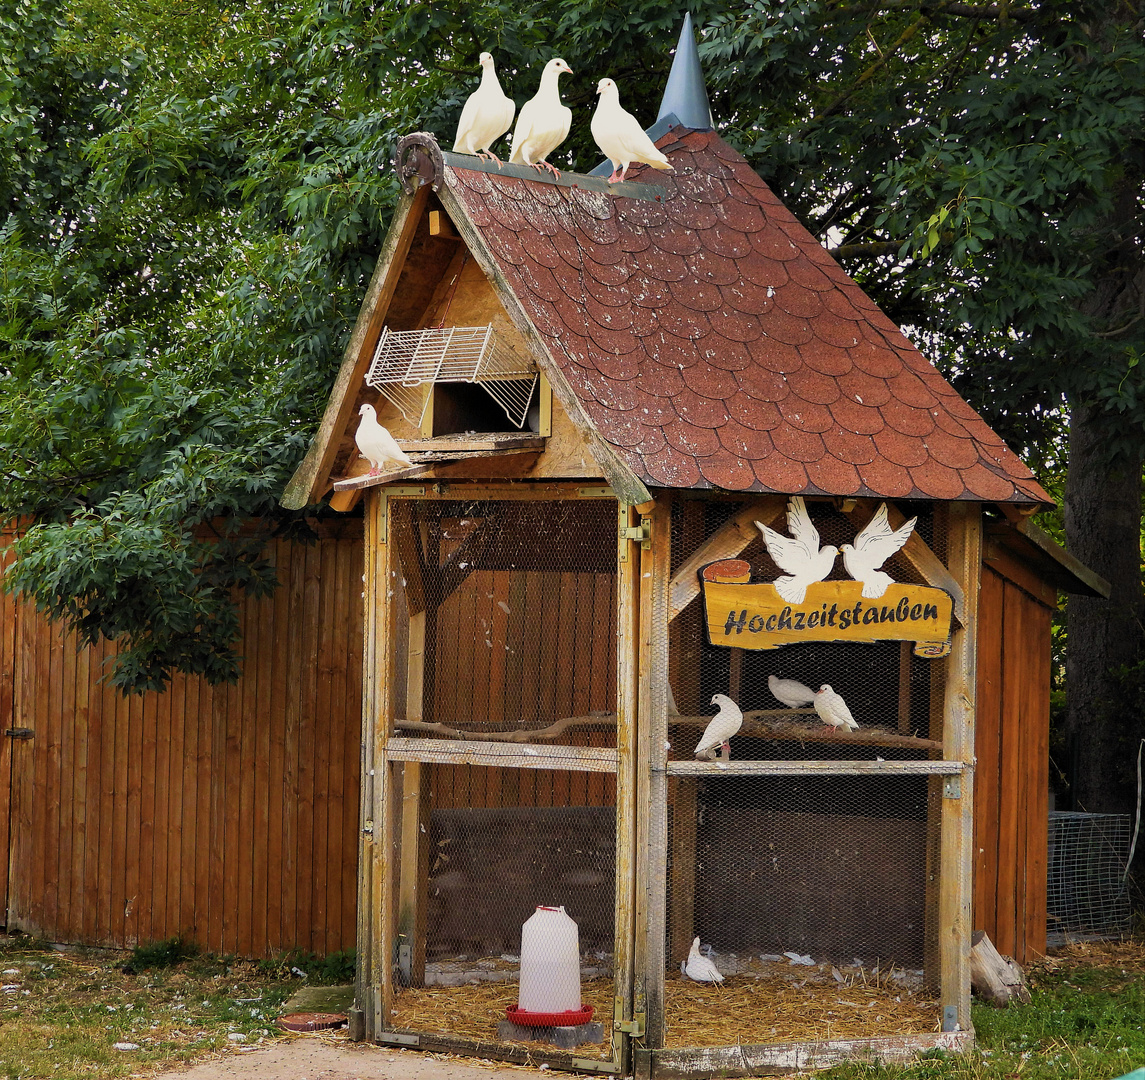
[61, 1014]
[1086, 1022]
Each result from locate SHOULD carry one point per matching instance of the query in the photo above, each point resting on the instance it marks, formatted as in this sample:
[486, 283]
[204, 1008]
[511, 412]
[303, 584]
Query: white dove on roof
[698, 967]
[619, 135]
[872, 547]
[832, 709]
[799, 554]
[487, 115]
[791, 692]
[720, 728]
[376, 443]
[543, 122]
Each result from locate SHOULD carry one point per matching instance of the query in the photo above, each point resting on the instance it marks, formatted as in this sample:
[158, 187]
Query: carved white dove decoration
[376, 443]
[792, 693]
[487, 115]
[872, 547]
[698, 967]
[832, 709]
[619, 135]
[720, 729]
[799, 554]
[543, 122]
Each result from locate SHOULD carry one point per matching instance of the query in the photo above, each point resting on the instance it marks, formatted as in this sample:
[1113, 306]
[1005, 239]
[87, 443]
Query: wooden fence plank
[247, 838]
[988, 749]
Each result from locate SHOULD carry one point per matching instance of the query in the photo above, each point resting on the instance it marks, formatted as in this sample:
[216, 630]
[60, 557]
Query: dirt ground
[311, 1057]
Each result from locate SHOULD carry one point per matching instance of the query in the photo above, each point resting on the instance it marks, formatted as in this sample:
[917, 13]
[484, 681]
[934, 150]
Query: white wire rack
[407, 363]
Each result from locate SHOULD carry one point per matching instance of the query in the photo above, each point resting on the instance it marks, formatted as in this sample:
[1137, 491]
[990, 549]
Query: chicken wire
[518, 601]
[804, 878]
[503, 635]
[1087, 889]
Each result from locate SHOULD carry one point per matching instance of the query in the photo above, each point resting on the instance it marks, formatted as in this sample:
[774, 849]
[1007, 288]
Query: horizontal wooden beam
[818, 768]
[772, 724]
[601, 759]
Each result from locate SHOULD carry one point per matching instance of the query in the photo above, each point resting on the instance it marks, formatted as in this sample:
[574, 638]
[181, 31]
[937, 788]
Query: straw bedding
[748, 1008]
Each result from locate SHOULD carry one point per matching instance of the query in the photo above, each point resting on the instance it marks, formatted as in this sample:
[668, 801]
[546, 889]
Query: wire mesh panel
[515, 605]
[809, 893]
[500, 842]
[501, 760]
[805, 858]
[1087, 888]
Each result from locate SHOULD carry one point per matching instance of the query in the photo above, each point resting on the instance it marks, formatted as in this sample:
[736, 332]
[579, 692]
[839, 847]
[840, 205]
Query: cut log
[995, 977]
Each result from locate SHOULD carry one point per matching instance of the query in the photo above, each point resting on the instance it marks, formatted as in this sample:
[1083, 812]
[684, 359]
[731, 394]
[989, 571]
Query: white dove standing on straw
[619, 135]
[832, 709]
[793, 694]
[799, 554]
[487, 115]
[376, 443]
[698, 967]
[872, 547]
[543, 122]
[720, 729]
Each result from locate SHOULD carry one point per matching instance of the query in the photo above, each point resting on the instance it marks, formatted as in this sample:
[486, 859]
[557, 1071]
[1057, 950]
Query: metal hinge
[633, 1027]
[20, 733]
[641, 532]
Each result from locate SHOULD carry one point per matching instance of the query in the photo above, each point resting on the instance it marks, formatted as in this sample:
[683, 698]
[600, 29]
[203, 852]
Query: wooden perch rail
[759, 723]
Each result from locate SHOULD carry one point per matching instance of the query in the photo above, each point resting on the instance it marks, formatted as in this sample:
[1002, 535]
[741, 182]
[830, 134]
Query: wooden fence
[227, 814]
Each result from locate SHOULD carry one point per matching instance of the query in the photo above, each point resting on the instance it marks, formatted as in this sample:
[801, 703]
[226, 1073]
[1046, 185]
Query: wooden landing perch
[759, 724]
[783, 724]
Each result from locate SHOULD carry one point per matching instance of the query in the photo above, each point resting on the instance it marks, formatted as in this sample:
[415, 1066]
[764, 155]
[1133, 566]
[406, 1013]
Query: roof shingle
[714, 343]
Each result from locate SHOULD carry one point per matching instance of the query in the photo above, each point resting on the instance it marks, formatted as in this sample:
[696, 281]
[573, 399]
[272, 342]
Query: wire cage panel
[885, 686]
[535, 837]
[1087, 892]
[806, 892]
[513, 604]
[405, 361]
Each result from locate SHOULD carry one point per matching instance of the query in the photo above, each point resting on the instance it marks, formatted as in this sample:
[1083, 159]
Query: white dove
[720, 728]
[698, 967]
[543, 122]
[872, 547]
[487, 115]
[793, 694]
[619, 135]
[832, 709]
[799, 554]
[376, 443]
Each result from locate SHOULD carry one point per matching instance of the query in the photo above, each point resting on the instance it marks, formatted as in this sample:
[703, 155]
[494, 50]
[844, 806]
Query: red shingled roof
[715, 343]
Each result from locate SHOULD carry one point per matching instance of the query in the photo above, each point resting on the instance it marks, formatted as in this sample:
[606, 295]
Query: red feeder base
[569, 1018]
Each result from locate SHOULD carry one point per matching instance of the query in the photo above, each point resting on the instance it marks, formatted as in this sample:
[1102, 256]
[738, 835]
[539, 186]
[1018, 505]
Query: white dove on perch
[720, 728]
[487, 115]
[799, 554]
[698, 967]
[543, 122]
[619, 135]
[376, 443]
[792, 693]
[872, 547]
[832, 709]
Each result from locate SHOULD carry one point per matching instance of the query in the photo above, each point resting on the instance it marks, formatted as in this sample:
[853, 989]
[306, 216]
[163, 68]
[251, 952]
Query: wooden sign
[745, 616]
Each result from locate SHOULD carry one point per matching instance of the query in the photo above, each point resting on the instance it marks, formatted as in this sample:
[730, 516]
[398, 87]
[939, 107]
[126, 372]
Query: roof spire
[685, 94]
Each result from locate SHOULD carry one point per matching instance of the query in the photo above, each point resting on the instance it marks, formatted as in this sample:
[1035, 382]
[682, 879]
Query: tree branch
[874, 250]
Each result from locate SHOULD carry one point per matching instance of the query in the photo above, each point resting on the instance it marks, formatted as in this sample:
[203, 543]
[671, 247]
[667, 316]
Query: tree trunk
[1103, 529]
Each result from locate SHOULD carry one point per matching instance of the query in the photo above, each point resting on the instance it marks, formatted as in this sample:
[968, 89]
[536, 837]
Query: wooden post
[964, 547]
[652, 832]
[627, 674]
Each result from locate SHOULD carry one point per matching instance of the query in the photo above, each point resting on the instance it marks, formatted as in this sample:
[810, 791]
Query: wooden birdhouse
[577, 564]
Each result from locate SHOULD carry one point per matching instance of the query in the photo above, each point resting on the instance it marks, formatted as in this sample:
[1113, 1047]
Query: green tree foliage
[192, 197]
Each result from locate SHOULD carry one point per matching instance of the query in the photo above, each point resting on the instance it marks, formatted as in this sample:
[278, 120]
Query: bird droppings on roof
[714, 343]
